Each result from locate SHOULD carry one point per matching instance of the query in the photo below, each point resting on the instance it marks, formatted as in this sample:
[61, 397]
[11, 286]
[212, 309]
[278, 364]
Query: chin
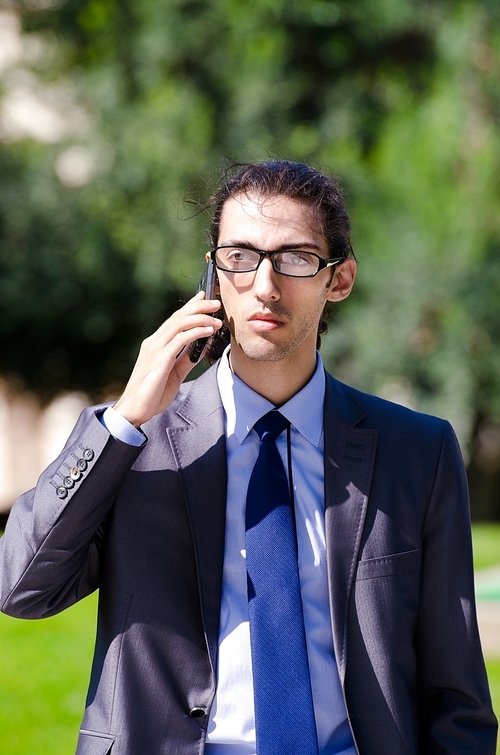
[265, 351]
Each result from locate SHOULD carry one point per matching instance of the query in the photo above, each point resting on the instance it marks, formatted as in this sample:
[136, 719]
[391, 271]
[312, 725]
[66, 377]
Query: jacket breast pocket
[92, 743]
[386, 566]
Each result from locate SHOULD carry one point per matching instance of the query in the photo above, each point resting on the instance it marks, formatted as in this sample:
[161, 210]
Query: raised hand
[163, 360]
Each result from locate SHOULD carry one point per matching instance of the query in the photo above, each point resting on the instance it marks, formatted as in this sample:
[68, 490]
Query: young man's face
[272, 316]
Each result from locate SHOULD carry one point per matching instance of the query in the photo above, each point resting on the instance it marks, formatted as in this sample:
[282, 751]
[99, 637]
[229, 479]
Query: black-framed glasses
[297, 263]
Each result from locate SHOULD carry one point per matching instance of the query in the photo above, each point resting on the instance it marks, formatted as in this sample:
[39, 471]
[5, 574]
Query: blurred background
[113, 114]
[116, 115]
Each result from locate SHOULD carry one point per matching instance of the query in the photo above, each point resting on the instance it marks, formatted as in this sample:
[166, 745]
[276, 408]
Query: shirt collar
[243, 406]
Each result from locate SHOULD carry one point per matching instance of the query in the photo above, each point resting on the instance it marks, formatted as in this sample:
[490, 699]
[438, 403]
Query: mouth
[265, 321]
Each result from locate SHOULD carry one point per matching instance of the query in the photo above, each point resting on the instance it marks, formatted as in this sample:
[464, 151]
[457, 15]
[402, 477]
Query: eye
[238, 259]
[298, 259]
[241, 255]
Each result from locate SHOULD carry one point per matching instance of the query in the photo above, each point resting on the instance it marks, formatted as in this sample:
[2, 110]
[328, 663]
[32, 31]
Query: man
[153, 501]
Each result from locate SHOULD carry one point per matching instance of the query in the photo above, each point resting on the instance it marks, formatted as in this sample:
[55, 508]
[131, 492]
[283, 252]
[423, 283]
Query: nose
[265, 285]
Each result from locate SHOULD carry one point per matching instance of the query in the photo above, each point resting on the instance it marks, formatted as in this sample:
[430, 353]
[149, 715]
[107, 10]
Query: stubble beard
[260, 348]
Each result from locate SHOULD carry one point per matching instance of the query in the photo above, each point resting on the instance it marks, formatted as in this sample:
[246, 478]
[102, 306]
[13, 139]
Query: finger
[179, 324]
[192, 323]
[202, 311]
[183, 364]
[198, 298]
[214, 300]
[186, 337]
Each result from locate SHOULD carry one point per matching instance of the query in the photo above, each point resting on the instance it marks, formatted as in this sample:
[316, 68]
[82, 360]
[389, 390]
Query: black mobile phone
[206, 284]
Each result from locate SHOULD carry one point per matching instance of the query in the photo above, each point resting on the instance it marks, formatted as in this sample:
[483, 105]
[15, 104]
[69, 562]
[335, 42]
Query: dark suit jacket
[146, 526]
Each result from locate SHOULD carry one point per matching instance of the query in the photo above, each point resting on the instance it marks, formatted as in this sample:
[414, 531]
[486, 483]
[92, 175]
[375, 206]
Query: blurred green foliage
[399, 98]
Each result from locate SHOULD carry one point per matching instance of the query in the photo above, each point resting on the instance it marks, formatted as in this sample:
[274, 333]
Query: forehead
[268, 221]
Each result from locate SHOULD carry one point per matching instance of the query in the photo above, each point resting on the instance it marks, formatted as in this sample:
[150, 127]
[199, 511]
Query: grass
[486, 539]
[45, 668]
[493, 669]
[45, 671]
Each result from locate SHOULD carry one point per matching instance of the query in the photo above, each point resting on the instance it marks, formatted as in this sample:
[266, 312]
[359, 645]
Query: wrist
[130, 415]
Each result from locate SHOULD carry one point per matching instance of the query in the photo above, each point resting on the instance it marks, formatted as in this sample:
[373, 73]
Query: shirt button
[88, 454]
[75, 473]
[68, 482]
[197, 712]
[61, 492]
[81, 464]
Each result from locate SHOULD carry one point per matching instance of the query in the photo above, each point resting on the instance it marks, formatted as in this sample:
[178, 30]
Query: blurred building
[31, 436]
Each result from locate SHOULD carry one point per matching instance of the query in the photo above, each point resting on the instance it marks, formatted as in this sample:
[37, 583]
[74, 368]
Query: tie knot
[271, 425]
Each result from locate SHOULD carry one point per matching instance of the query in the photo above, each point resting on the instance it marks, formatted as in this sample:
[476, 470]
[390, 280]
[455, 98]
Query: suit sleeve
[457, 711]
[50, 552]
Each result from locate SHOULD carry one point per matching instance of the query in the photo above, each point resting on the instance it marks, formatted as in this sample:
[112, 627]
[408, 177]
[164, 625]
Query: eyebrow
[280, 248]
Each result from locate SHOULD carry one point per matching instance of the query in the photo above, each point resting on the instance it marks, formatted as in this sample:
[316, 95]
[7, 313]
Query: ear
[342, 281]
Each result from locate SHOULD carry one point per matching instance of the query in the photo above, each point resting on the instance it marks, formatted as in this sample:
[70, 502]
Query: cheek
[225, 295]
[232, 294]
[229, 306]
[315, 300]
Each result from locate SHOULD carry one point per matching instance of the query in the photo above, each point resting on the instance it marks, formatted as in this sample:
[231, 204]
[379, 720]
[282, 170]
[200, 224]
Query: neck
[278, 380]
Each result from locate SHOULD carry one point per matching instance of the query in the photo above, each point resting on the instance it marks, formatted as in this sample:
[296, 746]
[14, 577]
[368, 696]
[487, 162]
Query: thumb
[183, 364]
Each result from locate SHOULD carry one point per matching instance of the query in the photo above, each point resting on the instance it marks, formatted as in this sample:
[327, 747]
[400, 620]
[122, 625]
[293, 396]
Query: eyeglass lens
[288, 262]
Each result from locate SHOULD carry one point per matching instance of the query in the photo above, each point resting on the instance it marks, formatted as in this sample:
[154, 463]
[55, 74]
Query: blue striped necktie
[284, 713]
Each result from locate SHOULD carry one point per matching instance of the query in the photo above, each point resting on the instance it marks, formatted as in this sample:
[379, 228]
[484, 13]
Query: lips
[265, 321]
[265, 316]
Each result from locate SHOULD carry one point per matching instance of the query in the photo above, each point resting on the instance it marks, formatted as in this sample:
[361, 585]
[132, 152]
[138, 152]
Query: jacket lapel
[349, 460]
[199, 447]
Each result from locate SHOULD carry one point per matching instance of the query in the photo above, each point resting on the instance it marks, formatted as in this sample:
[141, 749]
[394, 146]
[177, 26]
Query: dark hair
[293, 180]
